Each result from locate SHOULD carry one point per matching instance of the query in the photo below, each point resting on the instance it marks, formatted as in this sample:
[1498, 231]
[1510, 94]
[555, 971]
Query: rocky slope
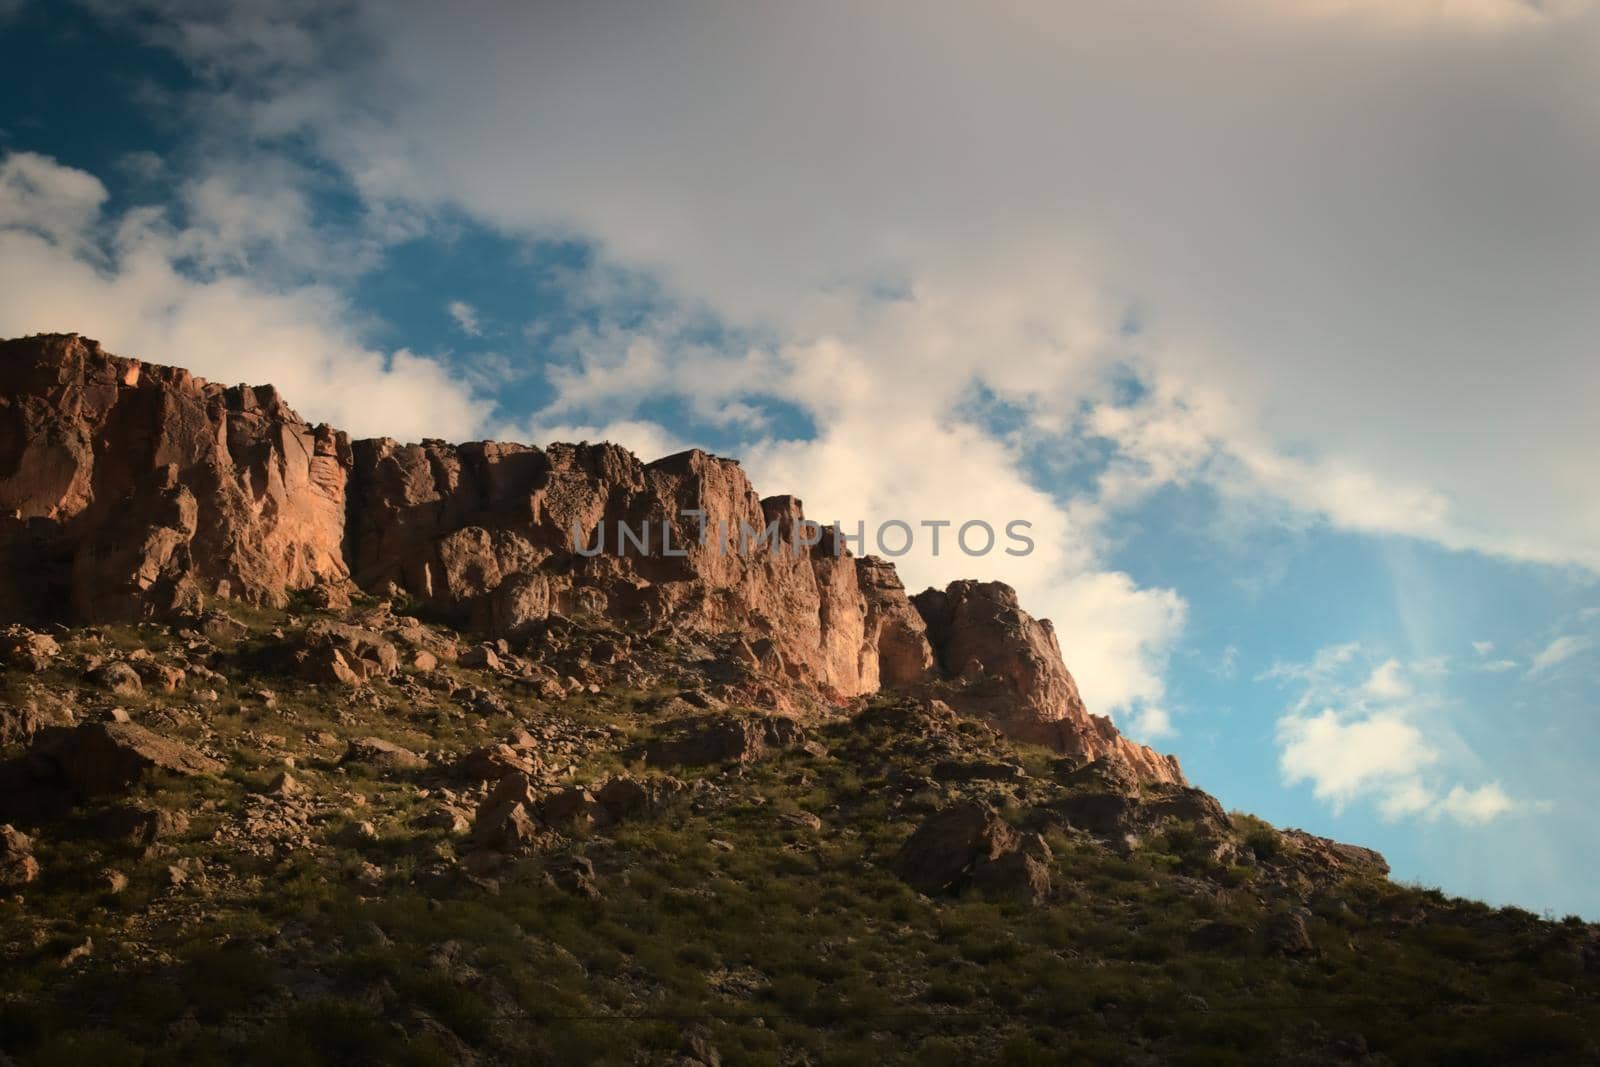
[352, 836]
[133, 491]
[315, 751]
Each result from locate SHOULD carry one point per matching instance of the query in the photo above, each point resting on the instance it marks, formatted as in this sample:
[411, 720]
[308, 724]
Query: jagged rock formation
[129, 490]
[487, 534]
[132, 491]
[1015, 677]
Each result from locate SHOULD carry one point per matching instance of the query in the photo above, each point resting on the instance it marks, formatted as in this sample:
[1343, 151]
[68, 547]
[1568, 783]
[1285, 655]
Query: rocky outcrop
[490, 534]
[129, 490]
[968, 844]
[1008, 669]
[132, 491]
[345, 655]
[722, 739]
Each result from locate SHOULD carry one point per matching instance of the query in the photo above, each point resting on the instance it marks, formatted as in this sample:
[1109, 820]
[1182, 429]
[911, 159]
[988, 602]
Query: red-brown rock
[1011, 673]
[131, 490]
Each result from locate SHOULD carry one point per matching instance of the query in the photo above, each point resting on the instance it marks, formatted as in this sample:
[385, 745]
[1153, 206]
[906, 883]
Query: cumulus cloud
[130, 294]
[1344, 755]
[1297, 199]
[56, 204]
[1309, 233]
[1480, 805]
[1338, 217]
[1357, 733]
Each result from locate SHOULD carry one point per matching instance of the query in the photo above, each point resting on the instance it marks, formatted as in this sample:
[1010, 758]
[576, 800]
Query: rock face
[489, 535]
[130, 490]
[1011, 672]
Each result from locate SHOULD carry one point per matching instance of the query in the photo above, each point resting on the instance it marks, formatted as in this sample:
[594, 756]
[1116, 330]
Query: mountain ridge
[131, 490]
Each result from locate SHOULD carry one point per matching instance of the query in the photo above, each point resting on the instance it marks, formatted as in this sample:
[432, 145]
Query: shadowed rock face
[132, 491]
[1013, 675]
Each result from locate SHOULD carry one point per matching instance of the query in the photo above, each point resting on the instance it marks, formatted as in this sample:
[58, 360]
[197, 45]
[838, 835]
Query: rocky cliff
[132, 491]
[1012, 673]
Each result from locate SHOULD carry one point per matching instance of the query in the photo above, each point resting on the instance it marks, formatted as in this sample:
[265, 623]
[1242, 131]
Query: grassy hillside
[318, 902]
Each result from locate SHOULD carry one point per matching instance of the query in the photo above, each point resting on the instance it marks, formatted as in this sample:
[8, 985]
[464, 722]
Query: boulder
[573, 806]
[723, 739]
[1013, 875]
[119, 678]
[339, 654]
[135, 826]
[505, 827]
[574, 874]
[18, 723]
[493, 762]
[940, 855]
[383, 755]
[102, 758]
[22, 649]
[623, 795]
[482, 657]
[977, 771]
[18, 866]
[1286, 934]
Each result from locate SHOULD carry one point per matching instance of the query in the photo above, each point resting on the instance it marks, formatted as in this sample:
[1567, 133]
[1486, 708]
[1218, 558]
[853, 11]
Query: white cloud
[1151, 723]
[1329, 226]
[466, 317]
[1557, 652]
[1480, 805]
[1386, 682]
[1483, 648]
[1299, 203]
[134, 299]
[1368, 734]
[58, 204]
[1344, 756]
[647, 440]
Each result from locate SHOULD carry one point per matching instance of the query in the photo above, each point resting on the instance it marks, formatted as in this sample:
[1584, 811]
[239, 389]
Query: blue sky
[1276, 323]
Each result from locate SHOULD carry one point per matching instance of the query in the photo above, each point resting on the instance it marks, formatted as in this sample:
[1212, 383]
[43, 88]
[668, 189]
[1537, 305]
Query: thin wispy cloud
[1557, 652]
[466, 318]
